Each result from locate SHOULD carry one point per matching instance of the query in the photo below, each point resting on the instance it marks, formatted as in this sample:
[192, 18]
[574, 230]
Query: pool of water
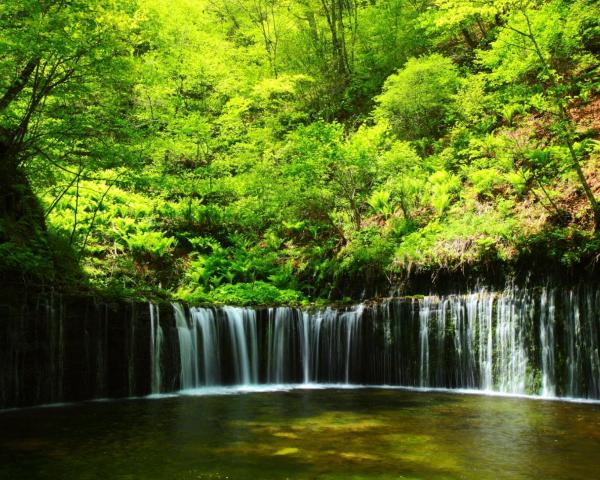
[304, 434]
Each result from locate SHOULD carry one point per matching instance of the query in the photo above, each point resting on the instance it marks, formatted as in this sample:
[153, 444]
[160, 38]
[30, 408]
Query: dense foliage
[261, 151]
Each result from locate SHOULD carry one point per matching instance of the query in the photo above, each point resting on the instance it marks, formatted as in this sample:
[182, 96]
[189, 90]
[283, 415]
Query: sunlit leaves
[417, 100]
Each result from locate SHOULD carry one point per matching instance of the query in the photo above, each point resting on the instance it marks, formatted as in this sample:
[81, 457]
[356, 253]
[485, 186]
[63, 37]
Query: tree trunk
[20, 209]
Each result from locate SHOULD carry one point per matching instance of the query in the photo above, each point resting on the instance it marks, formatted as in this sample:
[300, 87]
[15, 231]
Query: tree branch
[19, 83]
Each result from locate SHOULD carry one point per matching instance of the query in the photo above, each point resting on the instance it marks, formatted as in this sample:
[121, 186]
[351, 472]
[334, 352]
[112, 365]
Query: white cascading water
[547, 342]
[188, 351]
[305, 347]
[156, 338]
[424, 314]
[353, 324]
[279, 328]
[511, 364]
[313, 340]
[494, 341]
[481, 308]
[440, 341]
[573, 333]
[462, 315]
[242, 329]
[205, 320]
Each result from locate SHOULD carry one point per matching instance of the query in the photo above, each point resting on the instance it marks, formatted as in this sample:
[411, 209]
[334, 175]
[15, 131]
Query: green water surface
[305, 434]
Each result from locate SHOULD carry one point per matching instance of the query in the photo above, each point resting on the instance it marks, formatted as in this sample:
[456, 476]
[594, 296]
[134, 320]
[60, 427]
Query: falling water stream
[156, 342]
[516, 341]
[539, 341]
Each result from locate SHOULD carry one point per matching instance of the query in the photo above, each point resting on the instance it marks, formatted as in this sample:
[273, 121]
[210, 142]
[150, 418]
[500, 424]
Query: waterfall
[313, 341]
[156, 340]
[512, 360]
[592, 305]
[331, 345]
[424, 315]
[539, 340]
[242, 329]
[505, 341]
[547, 342]
[582, 339]
[204, 318]
[353, 320]
[463, 313]
[481, 308]
[188, 348]
[573, 333]
[280, 319]
[305, 318]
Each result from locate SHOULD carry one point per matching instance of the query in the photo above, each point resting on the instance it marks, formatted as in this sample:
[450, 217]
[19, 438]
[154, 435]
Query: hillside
[270, 151]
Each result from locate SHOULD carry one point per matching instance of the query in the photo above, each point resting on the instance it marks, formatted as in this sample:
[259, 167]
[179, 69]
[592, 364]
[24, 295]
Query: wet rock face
[56, 349]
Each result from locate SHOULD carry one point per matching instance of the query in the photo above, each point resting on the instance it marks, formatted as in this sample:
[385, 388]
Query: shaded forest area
[273, 151]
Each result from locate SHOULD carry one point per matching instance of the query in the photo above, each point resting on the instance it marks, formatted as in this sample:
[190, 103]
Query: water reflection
[305, 434]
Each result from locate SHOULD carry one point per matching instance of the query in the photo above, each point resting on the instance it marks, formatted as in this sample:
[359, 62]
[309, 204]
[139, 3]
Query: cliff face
[55, 349]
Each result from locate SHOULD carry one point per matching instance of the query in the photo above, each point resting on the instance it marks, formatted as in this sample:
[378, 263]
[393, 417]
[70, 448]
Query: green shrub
[255, 293]
[153, 243]
[485, 180]
[380, 203]
[417, 101]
